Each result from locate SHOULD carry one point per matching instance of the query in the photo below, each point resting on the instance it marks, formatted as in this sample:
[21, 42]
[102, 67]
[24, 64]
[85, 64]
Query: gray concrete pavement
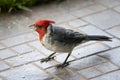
[21, 51]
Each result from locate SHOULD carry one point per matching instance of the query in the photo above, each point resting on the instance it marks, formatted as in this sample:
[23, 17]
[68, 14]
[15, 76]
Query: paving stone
[63, 18]
[112, 55]
[77, 23]
[11, 25]
[65, 74]
[78, 4]
[43, 11]
[26, 72]
[1, 79]
[115, 31]
[3, 66]
[65, 25]
[25, 58]
[87, 50]
[117, 8]
[22, 48]
[53, 79]
[1, 46]
[105, 19]
[83, 45]
[111, 76]
[109, 3]
[48, 11]
[41, 48]
[92, 30]
[88, 10]
[62, 56]
[85, 63]
[90, 72]
[46, 64]
[115, 43]
[6, 54]
[18, 39]
[106, 67]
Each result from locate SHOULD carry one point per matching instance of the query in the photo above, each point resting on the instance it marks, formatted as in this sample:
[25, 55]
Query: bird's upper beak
[32, 27]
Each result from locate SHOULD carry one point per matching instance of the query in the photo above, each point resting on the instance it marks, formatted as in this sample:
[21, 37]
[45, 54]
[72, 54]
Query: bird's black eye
[39, 26]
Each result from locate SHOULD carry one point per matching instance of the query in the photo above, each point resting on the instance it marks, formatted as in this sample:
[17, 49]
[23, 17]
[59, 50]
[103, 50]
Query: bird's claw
[63, 65]
[47, 59]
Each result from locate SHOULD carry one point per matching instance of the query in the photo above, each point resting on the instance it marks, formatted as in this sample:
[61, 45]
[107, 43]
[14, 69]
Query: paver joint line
[21, 51]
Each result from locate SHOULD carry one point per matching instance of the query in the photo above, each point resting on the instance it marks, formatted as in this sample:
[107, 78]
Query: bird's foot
[63, 65]
[47, 59]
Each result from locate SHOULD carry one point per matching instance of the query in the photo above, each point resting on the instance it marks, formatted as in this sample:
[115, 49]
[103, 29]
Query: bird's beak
[32, 27]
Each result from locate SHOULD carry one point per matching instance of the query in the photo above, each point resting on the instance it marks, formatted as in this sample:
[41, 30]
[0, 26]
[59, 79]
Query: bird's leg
[50, 57]
[65, 63]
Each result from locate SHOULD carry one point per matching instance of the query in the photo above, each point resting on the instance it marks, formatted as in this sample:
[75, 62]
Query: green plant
[9, 5]
[13, 5]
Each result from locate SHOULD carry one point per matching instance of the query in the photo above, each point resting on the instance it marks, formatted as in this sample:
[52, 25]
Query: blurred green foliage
[13, 5]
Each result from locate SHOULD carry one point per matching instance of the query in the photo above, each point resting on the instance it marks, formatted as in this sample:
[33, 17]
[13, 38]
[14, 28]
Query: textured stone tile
[25, 58]
[46, 64]
[26, 72]
[86, 62]
[77, 23]
[22, 48]
[111, 76]
[62, 56]
[64, 25]
[1, 46]
[12, 27]
[53, 79]
[6, 53]
[112, 55]
[40, 47]
[92, 30]
[65, 74]
[63, 18]
[1, 78]
[87, 50]
[105, 19]
[115, 43]
[88, 10]
[109, 3]
[115, 31]
[106, 67]
[85, 44]
[78, 4]
[117, 8]
[14, 24]
[90, 72]
[3, 66]
[19, 39]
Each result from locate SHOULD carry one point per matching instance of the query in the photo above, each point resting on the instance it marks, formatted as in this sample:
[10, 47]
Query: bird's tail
[98, 38]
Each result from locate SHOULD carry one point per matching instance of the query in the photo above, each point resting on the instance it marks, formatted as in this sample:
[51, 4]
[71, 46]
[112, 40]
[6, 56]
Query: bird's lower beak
[32, 26]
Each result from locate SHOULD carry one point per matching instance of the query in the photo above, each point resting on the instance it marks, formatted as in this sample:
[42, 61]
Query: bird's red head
[43, 23]
[41, 26]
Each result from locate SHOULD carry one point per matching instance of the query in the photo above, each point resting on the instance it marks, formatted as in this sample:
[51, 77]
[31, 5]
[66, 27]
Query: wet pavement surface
[21, 51]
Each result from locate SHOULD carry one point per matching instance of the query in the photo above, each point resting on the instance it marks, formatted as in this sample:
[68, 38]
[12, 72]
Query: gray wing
[66, 36]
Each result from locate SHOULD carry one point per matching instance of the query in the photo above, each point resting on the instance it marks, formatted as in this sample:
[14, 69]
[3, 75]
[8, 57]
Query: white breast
[56, 46]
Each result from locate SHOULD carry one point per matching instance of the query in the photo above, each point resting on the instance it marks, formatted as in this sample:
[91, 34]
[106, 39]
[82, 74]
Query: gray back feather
[65, 35]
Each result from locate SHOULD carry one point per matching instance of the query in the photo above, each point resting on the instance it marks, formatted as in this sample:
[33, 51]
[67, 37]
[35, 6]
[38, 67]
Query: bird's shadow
[86, 62]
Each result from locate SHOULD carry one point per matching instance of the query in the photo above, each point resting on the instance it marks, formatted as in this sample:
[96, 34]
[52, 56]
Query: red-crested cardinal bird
[58, 39]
